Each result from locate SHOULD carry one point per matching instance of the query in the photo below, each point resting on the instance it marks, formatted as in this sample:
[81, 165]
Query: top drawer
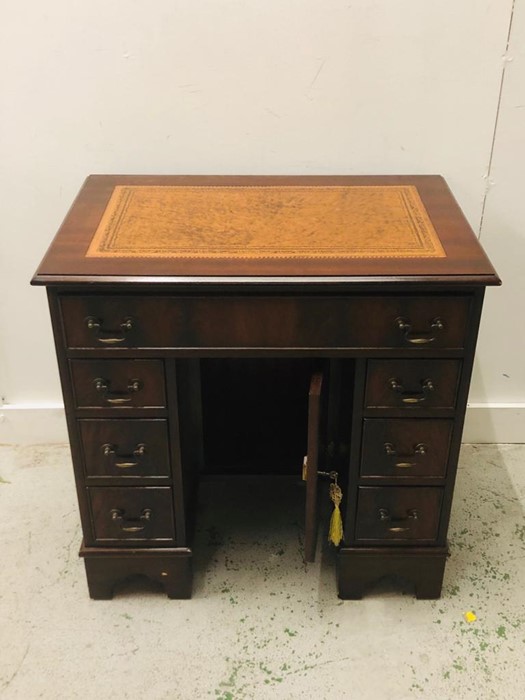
[265, 322]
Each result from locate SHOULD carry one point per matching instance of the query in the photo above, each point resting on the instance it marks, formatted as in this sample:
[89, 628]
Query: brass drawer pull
[412, 397]
[384, 515]
[110, 450]
[117, 515]
[117, 397]
[109, 337]
[405, 327]
[419, 450]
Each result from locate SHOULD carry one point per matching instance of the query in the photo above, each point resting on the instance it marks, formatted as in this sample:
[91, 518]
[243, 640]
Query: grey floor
[261, 623]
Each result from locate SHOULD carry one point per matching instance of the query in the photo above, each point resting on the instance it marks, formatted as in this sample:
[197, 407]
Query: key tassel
[335, 532]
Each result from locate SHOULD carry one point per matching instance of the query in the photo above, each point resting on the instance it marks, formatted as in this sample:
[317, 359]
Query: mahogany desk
[201, 320]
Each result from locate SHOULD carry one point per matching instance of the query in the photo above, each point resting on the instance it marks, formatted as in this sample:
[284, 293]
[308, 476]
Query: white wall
[253, 86]
[499, 375]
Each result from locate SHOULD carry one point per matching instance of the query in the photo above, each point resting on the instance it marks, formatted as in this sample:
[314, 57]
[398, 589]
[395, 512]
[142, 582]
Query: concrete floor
[261, 623]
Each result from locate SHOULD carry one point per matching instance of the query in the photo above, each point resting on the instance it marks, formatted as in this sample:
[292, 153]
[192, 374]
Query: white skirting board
[495, 423]
[32, 424]
[26, 424]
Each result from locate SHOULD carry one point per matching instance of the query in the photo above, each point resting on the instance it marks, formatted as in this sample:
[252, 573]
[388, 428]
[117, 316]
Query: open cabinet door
[312, 465]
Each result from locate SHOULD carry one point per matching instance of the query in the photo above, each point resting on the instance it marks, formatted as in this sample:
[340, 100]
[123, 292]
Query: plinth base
[358, 567]
[106, 567]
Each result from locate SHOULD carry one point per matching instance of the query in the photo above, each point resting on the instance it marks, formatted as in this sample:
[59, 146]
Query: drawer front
[118, 383]
[125, 449]
[132, 514]
[222, 322]
[412, 384]
[398, 513]
[397, 448]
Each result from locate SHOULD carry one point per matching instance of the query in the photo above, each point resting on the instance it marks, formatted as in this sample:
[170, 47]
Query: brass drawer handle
[419, 450]
[405, 327]
[117, 515]
[109, 337]
[117, 397]
[412, 397]
[384, 515]
[110, 450]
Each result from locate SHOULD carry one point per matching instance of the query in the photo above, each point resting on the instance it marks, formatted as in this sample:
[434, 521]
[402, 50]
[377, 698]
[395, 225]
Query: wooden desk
[190, 315]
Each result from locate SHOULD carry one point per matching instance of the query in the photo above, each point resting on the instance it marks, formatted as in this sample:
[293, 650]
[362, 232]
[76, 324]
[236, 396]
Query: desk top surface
[170, 229]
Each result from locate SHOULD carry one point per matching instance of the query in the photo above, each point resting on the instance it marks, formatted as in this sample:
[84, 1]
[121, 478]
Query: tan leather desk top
[265, 222]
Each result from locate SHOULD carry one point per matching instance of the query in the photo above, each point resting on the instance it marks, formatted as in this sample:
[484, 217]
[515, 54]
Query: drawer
[132, 514]
[412, 384]
[118, 383]
[261, 322]
[398, 513]
[125, 449]
[404, 449]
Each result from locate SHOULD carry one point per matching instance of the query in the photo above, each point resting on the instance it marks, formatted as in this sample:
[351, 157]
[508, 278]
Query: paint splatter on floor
[262, 623]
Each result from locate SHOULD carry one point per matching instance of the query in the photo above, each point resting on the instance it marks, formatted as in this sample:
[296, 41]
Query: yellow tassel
[335, 532]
